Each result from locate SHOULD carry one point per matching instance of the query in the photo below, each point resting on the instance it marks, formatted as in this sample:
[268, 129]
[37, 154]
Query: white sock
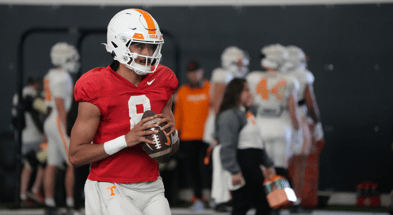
[50, 202]
[23, 197]
[70, 202]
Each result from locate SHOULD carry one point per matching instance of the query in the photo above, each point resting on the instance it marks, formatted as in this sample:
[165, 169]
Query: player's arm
[61, 110]
[311, 103]
[83, 152]
[216, 96]
[293, 111]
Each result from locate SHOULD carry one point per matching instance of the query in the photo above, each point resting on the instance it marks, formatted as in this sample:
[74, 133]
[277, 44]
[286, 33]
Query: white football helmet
[275, 56]
[129, 26]
[235, 60]
[297, 58]
[66, 56]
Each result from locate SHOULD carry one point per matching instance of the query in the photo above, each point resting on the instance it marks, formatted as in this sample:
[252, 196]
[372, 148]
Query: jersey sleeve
[310, 77]
[220, 76]
[88, 89]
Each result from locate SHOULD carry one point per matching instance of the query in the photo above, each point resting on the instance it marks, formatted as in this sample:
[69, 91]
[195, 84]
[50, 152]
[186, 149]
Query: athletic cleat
[37, 197]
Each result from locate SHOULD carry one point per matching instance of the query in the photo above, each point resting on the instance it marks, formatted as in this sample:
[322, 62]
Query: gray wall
[354, 94]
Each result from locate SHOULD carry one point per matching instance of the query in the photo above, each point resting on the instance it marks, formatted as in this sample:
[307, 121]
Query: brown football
[162, 147]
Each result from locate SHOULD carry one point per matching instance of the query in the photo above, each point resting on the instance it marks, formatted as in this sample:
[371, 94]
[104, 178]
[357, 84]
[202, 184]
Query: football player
[123, 178]
[31, 138]
[58, 87]
[234, 63]
[276, 96]
[307, 159]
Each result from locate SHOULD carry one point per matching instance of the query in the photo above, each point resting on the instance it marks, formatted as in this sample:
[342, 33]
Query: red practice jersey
[122, 105]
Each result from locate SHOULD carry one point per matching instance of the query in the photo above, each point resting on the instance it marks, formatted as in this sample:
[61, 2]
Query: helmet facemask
[72, 64]
[274, 57]
[239, 68]
[129, 58]
[235, 61]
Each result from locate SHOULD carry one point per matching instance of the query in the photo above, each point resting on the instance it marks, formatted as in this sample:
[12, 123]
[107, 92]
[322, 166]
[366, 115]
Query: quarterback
[108, 129]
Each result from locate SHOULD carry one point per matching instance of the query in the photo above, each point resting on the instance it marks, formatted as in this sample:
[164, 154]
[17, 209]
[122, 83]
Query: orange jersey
[191, 111]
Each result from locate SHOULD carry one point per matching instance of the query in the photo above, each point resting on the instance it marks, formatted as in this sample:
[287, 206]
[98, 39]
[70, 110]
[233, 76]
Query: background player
[275, 94]
[58, 87]
[234, 63]
[307, 159]
[123, 178]
[32, 136]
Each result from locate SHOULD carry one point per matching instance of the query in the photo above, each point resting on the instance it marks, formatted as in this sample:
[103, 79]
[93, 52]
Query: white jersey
[271, 92]
[58, 84]
[30, 133]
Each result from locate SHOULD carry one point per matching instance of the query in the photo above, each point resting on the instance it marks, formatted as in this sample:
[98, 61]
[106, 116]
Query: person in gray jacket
[242, 152]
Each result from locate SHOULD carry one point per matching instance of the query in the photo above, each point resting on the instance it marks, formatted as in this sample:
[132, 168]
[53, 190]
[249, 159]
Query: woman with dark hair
[242, 152]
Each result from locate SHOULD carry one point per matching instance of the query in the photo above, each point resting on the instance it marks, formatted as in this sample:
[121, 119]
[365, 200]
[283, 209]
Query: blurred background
[349, 44]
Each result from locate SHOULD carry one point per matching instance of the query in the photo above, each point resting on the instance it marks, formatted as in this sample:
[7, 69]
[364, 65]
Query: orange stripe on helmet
[149, 21]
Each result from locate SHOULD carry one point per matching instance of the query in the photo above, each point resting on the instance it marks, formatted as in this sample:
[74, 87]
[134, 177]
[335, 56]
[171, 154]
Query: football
[162, 147]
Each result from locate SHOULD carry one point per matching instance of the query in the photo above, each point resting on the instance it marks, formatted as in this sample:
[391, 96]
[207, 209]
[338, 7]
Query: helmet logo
[154, 36]
[138, 36]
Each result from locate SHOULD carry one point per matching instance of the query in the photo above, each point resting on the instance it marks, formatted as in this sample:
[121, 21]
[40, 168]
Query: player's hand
[237, 179]
[168, 120]
[269, 172]
[138, 132]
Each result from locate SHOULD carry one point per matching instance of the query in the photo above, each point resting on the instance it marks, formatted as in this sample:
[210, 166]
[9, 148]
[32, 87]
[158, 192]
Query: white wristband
[175, 137]
[115, 145]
